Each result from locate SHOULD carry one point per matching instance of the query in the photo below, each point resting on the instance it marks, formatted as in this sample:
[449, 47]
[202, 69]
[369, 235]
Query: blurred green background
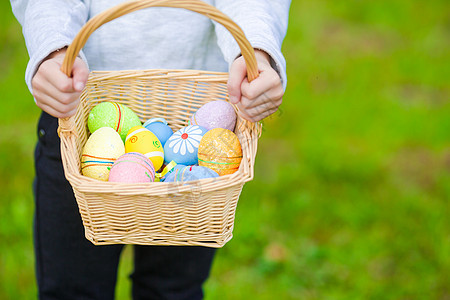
[351, 194]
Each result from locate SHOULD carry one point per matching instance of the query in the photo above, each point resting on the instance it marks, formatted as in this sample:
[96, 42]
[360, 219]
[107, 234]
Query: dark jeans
[70, 267]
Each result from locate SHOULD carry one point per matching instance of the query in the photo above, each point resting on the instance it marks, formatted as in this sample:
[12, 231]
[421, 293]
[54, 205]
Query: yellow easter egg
[220, 150]
[102, 148]
[140, 139]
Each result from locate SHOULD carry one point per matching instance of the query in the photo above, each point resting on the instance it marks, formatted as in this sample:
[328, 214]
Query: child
[67, 265]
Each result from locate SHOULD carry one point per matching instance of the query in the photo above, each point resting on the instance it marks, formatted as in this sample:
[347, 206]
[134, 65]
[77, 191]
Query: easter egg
[114, 115]
[220, 150]
[102, 148]
[190, 173]
[139, 139]
[215, 114]
[176, 167]
[182, 146]
[160, 128]
[132, 167]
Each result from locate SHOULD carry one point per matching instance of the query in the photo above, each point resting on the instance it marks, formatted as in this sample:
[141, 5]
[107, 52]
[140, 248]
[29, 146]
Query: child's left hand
[259, 98]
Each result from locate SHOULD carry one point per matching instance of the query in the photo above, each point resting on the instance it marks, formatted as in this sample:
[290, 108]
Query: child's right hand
[55, 93]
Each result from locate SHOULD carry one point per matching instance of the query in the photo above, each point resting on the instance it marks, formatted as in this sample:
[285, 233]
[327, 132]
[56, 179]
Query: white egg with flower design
[182, 146]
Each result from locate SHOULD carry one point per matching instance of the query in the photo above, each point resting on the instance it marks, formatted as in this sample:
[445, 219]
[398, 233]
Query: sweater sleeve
[48, 25]
[264, 23]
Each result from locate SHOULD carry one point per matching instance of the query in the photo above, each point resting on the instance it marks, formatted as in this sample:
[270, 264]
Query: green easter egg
[114, 115]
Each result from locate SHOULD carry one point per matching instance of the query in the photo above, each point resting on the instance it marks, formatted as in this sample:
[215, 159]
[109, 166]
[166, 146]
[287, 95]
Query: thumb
[80, 73]
[238, 72]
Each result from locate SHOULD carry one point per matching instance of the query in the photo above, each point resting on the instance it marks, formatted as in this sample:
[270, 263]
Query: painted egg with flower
[182, 146]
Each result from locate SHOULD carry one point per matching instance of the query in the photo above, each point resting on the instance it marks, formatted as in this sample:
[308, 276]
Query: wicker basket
[198, 212]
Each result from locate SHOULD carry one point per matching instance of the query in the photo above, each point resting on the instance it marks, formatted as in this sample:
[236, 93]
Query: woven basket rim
[163, 70]
[152, 74]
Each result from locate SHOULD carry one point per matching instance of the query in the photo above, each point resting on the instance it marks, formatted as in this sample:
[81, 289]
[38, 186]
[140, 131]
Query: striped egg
[115, 115]
[142, 140]
[102, 148]
[220, 150]
[132, 167]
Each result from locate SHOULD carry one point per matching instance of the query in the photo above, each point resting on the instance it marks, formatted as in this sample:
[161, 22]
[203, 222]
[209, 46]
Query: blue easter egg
[173, 170]
[182, 146]
[159, 128]
[191, 173]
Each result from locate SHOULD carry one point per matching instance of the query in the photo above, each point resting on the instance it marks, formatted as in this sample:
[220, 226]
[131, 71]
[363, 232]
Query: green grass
[352, 185]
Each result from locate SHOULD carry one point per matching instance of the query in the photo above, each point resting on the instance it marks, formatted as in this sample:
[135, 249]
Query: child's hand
[55, 93]
[259, 98]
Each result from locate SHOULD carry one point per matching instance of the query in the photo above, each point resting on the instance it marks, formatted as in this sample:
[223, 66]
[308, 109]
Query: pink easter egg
[215, 114]
[132, 167]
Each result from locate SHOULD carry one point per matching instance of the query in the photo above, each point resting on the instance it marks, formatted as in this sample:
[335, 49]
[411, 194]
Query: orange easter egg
[220, 150]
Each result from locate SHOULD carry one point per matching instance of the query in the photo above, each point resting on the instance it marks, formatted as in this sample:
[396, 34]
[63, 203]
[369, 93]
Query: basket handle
[66, 125]
[198, 6]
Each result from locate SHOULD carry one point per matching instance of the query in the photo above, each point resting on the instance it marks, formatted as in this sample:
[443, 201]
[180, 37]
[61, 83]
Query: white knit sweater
[152, 38]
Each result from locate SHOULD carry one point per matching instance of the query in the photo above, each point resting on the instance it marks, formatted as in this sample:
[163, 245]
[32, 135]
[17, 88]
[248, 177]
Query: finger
[41, 88]
[237, 74]
[80, 74]
[50, 71]
[53, 108]
[260, 110]
[266, 114]
[255, 115]
[268, 83]
[43, 99]
[53, 112]
[260, 106]
[265, 98]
